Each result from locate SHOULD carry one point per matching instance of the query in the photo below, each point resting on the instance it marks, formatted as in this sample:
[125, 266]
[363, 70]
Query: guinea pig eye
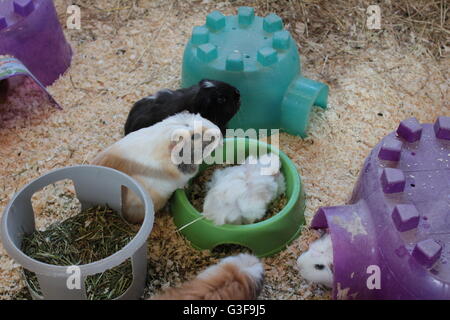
[319, 266]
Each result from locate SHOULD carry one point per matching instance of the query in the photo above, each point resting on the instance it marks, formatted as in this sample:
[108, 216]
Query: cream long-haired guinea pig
[234, 278]
[161, 158]
[316, 264]
[241, 194]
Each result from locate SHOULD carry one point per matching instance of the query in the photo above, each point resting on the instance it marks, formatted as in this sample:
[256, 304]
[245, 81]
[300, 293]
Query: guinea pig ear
[331, 266]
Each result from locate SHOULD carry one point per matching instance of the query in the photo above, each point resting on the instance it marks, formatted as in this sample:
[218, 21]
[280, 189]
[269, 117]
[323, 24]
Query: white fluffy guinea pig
[161, 158]
[316, 264]
[241, 194]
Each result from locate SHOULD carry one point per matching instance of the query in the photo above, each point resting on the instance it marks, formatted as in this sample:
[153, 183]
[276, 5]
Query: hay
[129, 49]
[91, 235]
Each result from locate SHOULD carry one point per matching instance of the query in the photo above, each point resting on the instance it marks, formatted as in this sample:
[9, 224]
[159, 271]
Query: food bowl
[264, 238]
[94, 185]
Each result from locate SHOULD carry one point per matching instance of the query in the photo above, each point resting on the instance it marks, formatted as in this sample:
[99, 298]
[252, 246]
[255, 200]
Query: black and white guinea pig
[214, 100]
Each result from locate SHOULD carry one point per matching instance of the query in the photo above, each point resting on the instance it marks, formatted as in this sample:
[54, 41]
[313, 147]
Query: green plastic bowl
[264, 238]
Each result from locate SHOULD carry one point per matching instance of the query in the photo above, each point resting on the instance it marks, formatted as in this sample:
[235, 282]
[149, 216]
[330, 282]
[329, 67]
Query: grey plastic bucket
[94, 185]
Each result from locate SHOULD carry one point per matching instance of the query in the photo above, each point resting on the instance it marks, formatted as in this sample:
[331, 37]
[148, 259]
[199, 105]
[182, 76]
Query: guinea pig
[4, 87]
[238, 277]
[161, 158]
[214, 100]
[241, 194]
[316, 264]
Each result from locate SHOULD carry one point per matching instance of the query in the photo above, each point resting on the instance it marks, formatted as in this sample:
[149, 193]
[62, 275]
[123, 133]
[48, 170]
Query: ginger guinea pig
[238, 277]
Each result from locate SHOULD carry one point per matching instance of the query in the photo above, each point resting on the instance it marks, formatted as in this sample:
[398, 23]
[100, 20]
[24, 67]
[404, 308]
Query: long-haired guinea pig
[161, 158]
[316, 264]
[214, 100]
[238, 277]
[241, 194]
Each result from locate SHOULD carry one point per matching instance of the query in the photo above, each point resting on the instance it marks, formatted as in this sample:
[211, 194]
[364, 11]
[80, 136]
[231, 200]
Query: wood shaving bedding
[130, 49]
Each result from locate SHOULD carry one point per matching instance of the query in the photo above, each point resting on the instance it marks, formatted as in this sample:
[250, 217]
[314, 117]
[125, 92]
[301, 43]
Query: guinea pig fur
[241, 194]
[316, 264]
[214, 100]
[234, 278]
[147, 155]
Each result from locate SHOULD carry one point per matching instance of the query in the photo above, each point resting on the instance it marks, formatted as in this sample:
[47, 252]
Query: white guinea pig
[241, 194]
[316, 264]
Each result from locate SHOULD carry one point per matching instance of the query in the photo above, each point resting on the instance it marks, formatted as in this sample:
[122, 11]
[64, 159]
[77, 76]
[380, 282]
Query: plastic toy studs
[207, 52]
[410, 130]
[215, 20]
[442, 128]
[390, 150]
[405, 217]
[235, 62]
[281, 40]
[393, 180]
[427, 252]
[267, 56]
[200, 35]
[260, 58]
[23, 7]
[246, 15]
[272, 23]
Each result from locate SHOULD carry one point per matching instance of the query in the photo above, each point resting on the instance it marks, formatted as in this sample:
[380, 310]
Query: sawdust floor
[117, 63]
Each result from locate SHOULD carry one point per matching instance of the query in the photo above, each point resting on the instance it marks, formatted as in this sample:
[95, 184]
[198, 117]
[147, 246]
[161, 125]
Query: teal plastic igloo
[260, 58]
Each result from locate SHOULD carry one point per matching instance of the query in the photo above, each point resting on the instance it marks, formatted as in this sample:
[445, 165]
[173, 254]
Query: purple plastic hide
[12, 68]
[397, 224]
[30, 31]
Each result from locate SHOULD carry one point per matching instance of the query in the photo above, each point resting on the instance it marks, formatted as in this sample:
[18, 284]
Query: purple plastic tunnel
[30, 31]
[393, 240]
